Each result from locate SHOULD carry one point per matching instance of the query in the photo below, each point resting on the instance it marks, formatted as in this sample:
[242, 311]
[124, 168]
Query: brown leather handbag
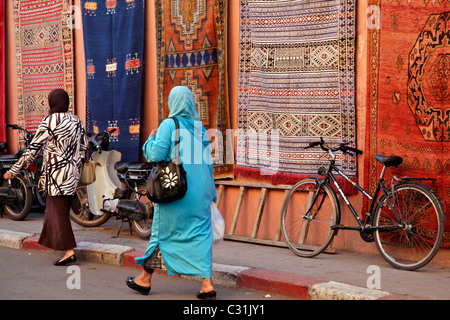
[88, 172]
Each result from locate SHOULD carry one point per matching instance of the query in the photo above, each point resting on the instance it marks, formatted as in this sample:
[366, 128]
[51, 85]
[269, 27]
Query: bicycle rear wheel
[306, 217]
[419, 214]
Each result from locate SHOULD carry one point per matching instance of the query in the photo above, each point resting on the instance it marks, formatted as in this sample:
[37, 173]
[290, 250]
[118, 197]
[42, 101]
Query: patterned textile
[409, 91]
[114, 49]
[63, 139]
[44, 56]
[296, 84]
[155, 261]
[3, 74]
[192, 52]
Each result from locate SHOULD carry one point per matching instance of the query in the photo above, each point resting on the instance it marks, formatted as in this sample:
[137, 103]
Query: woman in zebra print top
[62, 137]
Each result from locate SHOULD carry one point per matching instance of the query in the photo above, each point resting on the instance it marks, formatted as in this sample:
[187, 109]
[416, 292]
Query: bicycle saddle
[389, 161]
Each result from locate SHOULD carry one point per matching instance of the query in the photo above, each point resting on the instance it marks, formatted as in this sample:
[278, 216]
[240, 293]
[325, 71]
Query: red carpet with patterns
[44, 56]
[192, 52]
[409, 92]
[2, 74]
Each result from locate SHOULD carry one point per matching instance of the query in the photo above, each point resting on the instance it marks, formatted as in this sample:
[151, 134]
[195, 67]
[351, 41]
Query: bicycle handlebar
[28, 137]
[341, 147]
[16, 127]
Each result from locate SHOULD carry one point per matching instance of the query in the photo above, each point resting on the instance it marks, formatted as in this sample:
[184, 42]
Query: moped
[17, 195]
[114, 192]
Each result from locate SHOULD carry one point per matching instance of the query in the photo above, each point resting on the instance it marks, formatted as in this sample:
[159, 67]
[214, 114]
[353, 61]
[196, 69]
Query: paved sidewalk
[272, 270]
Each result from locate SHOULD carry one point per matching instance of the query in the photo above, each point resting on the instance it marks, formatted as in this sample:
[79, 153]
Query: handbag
[167, 179]
[88, 172]
[217, 223]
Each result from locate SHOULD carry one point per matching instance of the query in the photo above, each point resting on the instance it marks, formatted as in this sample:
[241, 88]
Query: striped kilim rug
[191, 45]
[44, 56]
[296, 84]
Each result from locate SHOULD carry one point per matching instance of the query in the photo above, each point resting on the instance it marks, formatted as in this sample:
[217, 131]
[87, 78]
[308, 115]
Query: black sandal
[133, 285]
[66, 261]
[206, 295]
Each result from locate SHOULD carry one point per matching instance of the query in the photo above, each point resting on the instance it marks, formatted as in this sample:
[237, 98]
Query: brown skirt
[57, 232]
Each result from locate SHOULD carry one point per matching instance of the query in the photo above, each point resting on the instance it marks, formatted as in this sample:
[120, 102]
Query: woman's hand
[8, 175]
[153, 133]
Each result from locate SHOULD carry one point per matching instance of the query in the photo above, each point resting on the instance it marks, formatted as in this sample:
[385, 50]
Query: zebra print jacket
[63, 138]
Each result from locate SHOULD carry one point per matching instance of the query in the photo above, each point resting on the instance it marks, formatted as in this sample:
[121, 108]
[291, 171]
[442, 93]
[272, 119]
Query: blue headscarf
[181, 103]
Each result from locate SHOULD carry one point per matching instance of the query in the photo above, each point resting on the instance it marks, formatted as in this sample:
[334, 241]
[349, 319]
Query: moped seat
[136, 166]
[9, 157]
[389, 161]
[121, 166]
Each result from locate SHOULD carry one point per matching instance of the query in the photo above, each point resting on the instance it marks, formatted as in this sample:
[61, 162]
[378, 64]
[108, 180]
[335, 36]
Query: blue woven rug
[114, 45]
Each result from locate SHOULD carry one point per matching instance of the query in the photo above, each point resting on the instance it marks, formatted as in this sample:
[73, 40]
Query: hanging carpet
[114, 48]
[296, 84]
[409, 92]
[191, 47]
[2, 74]
[44, 56]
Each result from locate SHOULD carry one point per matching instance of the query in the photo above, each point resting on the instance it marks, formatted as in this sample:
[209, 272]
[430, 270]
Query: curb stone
[267, 281]
[13, 239]
[290, 285]
[102, 253]
[339, 291]
[226, 275]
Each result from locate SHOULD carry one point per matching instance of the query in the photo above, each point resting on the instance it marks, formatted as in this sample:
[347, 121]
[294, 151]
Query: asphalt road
[31, 275]
[431, 282]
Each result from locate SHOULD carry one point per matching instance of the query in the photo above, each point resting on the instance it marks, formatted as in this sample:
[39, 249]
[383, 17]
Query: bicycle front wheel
[419, 216]
[308, 212]
[21, 209]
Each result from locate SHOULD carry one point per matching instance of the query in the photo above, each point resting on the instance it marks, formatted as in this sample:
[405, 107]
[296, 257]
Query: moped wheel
[22, 208]
[81, 214]
[142, 227]
[41, 199]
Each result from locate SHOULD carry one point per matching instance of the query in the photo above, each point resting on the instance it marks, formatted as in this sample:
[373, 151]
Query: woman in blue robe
[181, 231]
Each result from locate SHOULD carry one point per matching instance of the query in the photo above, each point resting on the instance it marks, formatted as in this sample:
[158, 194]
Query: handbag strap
[177, 132]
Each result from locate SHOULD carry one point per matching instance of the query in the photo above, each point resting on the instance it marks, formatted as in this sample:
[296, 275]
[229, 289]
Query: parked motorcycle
[16, 195]
[118, 191]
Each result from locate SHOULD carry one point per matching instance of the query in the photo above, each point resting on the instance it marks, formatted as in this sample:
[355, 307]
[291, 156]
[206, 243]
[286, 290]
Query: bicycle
[405, 218]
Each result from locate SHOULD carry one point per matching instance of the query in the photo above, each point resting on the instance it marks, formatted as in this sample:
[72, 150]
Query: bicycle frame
[367, 223]
[405, 218]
